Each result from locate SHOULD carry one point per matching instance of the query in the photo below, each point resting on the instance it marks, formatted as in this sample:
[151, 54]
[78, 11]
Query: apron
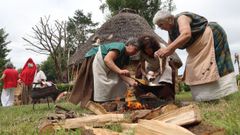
[201, 65]
[108, 86]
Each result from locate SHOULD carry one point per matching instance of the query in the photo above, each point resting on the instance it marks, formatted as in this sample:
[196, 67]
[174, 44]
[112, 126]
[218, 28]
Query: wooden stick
[95, 107]
[183, 116]
[93, 121]
[154, 127]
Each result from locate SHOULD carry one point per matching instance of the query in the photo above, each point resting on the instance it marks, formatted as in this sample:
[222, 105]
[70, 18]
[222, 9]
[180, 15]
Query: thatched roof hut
[119, 28]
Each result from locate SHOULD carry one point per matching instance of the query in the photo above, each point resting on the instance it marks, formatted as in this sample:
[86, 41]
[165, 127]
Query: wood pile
[164, 120]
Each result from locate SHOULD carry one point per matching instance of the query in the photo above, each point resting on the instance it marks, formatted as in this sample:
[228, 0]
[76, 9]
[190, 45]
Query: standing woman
[209, 69]
[26, 77]
[150, 63]
[9, 77]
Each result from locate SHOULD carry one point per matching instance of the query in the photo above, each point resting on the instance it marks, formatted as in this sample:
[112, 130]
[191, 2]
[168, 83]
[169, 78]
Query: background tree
[50, 72]
[80, 27]
[60, 40]
[3, 49]
[50, 40]
[145, 8]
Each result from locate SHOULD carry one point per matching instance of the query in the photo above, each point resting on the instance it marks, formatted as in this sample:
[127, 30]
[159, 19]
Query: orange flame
[133, 104]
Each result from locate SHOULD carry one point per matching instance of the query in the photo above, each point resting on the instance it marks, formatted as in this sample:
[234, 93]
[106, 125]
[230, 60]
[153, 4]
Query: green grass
[223, 113]
[23, 120]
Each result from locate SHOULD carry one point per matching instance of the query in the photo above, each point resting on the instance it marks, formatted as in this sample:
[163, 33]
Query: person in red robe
[26, 77]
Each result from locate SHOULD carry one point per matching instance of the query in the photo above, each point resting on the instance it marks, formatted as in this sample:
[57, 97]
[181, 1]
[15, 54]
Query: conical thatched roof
[119, 28]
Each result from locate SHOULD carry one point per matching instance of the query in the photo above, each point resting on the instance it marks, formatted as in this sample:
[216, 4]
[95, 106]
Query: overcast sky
[19, 16]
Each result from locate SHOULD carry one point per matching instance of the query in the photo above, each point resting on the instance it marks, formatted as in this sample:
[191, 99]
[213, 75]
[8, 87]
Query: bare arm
[2, 77]
[109, 61]
[185, 34]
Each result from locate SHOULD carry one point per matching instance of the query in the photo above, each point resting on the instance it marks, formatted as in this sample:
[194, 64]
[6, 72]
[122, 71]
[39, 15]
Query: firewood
[46, 127]
[160, 110]
[93, 121]
[139, 114]
[155, 127]
[110, 106]
[97, 131]
[127, 126]
[96, 108]
[169, 107]
[182, 116]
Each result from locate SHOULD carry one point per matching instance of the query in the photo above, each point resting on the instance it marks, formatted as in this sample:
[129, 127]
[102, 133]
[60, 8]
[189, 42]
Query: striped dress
[209, 69]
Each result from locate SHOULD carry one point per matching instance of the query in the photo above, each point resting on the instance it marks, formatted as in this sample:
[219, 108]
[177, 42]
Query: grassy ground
[224, 113]
[23, 120]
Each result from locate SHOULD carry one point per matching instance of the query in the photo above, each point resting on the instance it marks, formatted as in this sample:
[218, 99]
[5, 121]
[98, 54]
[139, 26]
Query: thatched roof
[119, 28]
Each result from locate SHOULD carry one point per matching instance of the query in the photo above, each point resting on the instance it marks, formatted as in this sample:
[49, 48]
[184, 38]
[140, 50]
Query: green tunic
[121, 60]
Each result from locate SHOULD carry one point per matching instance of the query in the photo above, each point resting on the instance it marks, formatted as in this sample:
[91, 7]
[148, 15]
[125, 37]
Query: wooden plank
[46, 127]
[160, 110]
[183, 116]
[97, 131]
[127, 126]
[155, 127]
[95, 107]
[92, 121]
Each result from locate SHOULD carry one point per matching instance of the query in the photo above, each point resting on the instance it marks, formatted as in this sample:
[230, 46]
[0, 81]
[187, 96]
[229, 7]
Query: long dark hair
[148, 41]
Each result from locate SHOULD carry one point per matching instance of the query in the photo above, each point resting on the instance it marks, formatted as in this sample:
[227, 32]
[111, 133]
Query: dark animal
[41, 93]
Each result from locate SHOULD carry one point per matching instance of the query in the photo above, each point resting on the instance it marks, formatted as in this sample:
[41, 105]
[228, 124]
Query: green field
[23, 120]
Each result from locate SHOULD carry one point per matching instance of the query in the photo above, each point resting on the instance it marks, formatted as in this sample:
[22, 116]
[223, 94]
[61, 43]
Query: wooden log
[93, 121]
[139, 114]
[160, 110]
[182, 116]
[96, 108]
[46, 127]
[155, 127]
[97, 131]
[169, 107]
[127, 126]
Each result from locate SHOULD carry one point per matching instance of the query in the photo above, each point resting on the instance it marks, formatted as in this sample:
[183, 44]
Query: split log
[127, 126]
[97, 131]
[110, 106]
[46, 127]
[182, 116]
[139, 114]
[96, 108]
[154, 127]
[92, 121]
[169, 107]
[160, 110]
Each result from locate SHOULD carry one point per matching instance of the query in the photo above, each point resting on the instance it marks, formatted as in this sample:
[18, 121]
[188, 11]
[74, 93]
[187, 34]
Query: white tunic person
[40, 77]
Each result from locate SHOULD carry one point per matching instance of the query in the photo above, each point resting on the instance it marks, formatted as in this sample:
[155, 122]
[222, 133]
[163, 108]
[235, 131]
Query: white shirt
[39, 77]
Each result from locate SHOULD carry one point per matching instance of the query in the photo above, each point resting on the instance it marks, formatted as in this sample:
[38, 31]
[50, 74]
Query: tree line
[60, 39]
